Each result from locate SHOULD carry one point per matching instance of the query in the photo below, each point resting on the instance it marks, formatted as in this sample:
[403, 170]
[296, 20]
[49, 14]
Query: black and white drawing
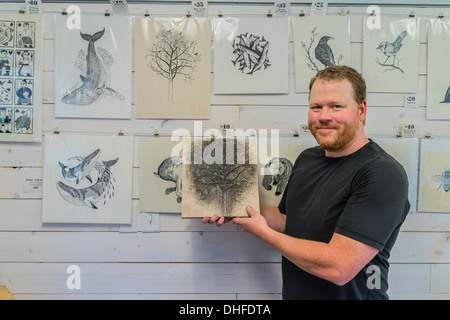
[251, 56]
[172, 56]
[24, 63]
[98, 192]
[172, 63]
[95, 81]
[251, 53]
[93, 68]
[391, 55]
[170, 170]
[390, 50]
[319, 42]
[7, 33]
[323, 52]
[217, 182]
[87, 179]
[276, 174]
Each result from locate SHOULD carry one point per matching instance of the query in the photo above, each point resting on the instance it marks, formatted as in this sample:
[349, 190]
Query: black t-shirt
[363, 196]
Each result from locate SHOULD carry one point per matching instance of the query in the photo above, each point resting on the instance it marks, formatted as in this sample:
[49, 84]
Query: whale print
[95, 81]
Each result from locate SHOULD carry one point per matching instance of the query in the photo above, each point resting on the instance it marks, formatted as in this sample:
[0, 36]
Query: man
[344, 204]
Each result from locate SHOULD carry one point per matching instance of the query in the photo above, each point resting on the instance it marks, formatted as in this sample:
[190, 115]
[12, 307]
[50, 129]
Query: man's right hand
[215, 219]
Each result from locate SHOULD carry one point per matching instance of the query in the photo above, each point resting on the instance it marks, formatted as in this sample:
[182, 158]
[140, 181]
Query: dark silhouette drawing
[443, 179]
[276, 173]
[91, 194]
[170, 170]
[251, 53]
[322, 51]
[173, 55]
[94, 74]
[391, 49]
[222, 187]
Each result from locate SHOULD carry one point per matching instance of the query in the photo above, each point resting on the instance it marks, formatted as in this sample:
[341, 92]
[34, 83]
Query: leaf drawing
[173, 55]
[94, 74]
[251, 53]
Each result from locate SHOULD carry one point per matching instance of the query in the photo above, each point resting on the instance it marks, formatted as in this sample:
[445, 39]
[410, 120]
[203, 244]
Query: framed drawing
[434, 187]
[438, 77]
[93, 67]
[274, 171]
[319, 42]
[391, 55]
[21, 57]
[406, 152]
[219, 176]
[87, 179]
[172, 59]
[251, 55]
[160, 175]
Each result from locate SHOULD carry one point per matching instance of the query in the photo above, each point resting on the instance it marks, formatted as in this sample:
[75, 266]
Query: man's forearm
[275, 219]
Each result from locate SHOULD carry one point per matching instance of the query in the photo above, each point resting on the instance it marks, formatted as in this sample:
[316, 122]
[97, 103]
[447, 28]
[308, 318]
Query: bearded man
[341, 211]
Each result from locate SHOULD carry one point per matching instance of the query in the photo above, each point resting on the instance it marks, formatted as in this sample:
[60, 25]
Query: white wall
[187, 259]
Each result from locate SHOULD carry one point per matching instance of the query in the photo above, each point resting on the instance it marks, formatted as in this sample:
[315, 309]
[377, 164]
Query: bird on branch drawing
[391, 49]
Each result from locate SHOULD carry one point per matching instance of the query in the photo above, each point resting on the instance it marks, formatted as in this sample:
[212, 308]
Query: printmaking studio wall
[124, 232]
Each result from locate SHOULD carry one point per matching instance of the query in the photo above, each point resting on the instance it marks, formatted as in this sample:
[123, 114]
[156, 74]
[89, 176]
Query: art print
[319, 42]
[219, 176]
[172, 68]
[21, 43]
[391, 55]
[87, 179]
[434, 188]
[160, 175]
[250, 55]
[275, 171]
[438, 76]
[93, 68]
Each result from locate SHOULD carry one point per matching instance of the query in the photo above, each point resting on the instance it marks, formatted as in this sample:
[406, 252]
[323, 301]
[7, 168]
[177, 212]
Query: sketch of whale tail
[93, 37]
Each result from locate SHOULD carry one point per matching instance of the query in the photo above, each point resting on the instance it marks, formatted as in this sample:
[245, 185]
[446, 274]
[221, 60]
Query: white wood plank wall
[188, 260]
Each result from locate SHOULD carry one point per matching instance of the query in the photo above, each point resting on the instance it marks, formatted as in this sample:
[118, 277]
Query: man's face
[334, 118]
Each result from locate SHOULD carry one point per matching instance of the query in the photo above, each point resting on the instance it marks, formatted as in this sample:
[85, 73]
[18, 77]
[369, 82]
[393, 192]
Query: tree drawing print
[251, 53]
[90, 193]
[173, 55]
[391, 49]
[223, 184]
[94, 74]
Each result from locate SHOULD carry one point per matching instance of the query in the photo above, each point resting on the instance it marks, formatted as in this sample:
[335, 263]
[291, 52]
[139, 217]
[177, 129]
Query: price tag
[32, 185]
[119, 7]
[319, 8]
[409, 130]
[200, 8]
[33, 6]
[304, 130]
[281, 8]
[412, 101]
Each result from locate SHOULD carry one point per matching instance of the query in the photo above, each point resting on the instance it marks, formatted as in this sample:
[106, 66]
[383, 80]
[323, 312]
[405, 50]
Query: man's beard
[345, 133]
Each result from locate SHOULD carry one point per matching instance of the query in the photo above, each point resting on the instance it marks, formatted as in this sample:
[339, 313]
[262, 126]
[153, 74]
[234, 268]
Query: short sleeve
[378, 204]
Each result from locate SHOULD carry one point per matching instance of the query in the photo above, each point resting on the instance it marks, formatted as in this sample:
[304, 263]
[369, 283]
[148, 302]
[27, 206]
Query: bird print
[324, 53]
[390, 49]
